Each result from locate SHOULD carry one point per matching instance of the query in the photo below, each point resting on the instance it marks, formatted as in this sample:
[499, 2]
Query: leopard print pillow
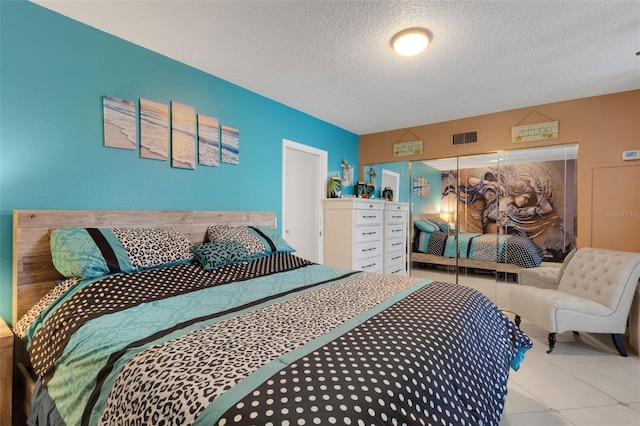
[152, 247]
[213, 255]
[95, 252]
[257, 240]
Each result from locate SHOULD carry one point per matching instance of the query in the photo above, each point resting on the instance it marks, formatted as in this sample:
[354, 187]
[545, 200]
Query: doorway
[391, 180]
[304, 177]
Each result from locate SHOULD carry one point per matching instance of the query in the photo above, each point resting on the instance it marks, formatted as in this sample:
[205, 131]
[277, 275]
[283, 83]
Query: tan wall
[603, 126]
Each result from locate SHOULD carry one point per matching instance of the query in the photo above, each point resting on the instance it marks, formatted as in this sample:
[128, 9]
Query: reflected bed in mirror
[528, 193]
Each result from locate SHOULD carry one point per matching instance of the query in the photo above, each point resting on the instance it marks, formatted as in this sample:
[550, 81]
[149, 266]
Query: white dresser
[353, 233]
[366, 235]
[396, 219]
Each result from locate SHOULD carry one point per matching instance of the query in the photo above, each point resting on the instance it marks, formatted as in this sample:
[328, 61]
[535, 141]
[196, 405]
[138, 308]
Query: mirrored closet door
[480, 218]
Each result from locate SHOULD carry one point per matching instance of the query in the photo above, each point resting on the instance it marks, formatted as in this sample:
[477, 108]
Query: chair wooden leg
[552, 342]
[617, 341]
[517, 320]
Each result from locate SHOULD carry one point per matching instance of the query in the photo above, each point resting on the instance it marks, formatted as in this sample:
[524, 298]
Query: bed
[245, 332]
[434, 243]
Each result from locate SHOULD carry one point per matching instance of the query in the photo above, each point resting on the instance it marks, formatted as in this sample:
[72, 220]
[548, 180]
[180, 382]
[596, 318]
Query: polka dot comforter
[514, 249]
[276, 341]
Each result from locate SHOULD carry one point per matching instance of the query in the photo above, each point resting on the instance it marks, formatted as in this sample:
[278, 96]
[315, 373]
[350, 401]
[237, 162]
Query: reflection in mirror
[495, 213]
[498, 212]
[529, 193]
[390, 185]
[392, 175]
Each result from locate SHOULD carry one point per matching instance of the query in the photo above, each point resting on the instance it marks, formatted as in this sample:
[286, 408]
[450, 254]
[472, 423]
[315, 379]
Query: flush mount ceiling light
[411, 41]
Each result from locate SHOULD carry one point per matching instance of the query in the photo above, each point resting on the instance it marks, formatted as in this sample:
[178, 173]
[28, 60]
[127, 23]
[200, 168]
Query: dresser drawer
[368, 217]
[367, 250]
[395, 270]
[396, 216]
[394, 231]
[396, 258]
[367, 233]
[395, 245]
[373, 264]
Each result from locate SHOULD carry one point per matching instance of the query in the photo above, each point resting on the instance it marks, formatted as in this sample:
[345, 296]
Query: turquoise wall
[53, 74]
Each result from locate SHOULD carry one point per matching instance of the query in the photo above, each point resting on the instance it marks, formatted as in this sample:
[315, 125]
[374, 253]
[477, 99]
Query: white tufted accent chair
[545, 276]
[594, 295]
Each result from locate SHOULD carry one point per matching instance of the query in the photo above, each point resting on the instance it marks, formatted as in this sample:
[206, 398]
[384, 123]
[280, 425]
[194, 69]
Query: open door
[304, 181]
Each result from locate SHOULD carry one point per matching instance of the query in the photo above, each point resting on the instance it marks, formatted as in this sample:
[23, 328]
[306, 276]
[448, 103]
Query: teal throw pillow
[213, 255]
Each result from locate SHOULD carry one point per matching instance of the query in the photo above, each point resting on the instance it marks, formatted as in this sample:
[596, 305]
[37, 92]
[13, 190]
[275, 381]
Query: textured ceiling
[333, 59]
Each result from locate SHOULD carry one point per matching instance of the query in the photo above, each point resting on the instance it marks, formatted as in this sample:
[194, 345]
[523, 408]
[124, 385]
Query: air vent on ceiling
[463, 138]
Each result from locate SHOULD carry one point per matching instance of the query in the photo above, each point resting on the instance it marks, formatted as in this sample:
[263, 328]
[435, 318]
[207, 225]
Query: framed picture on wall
[154, 130]
[183, 136]
[208, 141]
[119, 123]
[230, 139]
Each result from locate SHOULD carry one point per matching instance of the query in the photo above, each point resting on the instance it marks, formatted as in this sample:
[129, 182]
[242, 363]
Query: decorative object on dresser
[335, 187]
[370, 191]
[387, 194]
[347, 173]
[360, 190]
[366, 235]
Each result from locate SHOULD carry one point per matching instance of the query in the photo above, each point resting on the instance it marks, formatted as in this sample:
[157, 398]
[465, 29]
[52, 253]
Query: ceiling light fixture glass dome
[411, 41]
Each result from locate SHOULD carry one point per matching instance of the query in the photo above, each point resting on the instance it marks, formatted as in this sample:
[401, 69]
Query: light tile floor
[584, 382]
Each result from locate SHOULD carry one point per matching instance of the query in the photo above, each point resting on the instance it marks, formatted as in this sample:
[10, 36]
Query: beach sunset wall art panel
[119, 123]
[230, 139]
[154, 130]
[208, 141]
[183, 136]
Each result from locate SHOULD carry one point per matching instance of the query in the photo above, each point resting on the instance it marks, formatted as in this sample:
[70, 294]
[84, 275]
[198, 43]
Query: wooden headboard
[424, 216]
[33, 271]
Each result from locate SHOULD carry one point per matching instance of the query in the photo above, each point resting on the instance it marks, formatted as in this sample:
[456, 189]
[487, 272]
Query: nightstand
[6, 372]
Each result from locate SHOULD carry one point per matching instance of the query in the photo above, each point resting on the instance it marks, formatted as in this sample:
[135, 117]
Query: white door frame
[321, 186]
[392, 180]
